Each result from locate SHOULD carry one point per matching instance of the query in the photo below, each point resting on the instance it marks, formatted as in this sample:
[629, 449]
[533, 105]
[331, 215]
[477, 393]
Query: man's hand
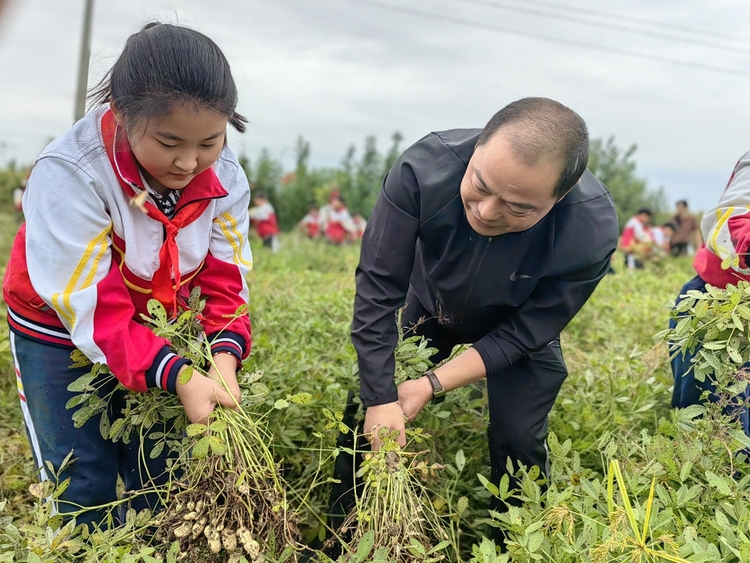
[200, 396]
[413, 395]
[388, 415]
[227, 367]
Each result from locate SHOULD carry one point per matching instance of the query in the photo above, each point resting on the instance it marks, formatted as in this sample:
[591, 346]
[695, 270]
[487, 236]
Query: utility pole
[83, 63]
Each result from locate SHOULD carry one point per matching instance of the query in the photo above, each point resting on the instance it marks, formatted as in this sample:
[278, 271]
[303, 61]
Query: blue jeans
[43, 375]
[687, 390]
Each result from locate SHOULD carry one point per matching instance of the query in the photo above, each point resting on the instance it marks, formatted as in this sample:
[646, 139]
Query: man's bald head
[540, 128]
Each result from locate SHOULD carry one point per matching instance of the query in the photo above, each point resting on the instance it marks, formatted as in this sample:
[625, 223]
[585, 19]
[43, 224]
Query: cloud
[336, 71]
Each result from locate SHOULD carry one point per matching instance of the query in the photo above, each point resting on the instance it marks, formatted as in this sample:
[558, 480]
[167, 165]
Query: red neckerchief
[192, 203]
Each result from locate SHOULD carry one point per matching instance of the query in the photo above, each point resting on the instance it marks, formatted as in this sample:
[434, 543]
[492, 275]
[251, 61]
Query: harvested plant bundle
[394, 520]
[226, 500]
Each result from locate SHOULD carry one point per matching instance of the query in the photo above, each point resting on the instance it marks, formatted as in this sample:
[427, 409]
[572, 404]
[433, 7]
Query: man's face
[502, 194]
[645, 218]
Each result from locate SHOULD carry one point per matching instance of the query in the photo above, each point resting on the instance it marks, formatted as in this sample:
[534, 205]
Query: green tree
[264, 176]
[616, 169]
[297, 189]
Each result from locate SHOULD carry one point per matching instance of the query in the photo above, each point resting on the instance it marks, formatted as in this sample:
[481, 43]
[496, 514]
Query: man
[497, 237]
[687, 232]
[636, 240]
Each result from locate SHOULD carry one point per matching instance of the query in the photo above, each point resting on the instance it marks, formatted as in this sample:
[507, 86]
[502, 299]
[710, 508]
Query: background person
[141, 199]
[687, 237]
[310, 223]
[338, 222]
[263, 218]
[661, 236]
[635, 240]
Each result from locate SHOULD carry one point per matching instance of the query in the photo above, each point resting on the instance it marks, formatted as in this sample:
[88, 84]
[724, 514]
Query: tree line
[359, 177]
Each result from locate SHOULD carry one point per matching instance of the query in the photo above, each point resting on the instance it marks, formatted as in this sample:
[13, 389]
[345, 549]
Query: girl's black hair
[163, 65]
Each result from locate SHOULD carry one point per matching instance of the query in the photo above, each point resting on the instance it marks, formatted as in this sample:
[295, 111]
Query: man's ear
[559, 199]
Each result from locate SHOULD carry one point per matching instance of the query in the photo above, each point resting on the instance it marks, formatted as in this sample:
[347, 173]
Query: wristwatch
[438, 393]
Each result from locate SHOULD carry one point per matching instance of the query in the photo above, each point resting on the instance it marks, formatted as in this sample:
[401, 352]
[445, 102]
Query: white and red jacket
[264, 220]
[726, 230]
[311, 225]
[86, 262]
[635, 232]
[338, 225]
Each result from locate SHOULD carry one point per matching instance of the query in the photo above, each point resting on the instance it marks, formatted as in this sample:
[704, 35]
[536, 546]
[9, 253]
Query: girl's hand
[227, 367]
[200, 396]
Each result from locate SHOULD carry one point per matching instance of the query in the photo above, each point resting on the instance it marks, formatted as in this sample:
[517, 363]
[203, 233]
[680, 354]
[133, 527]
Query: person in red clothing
[310, 223]
[635, 239]
[263, 217]
[338, 223]
[140, 200]
[726, 230]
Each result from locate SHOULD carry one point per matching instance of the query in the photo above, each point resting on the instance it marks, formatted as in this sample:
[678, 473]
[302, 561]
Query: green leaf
[462, 505]
[81, 416]
[281, 404]
[104, 425]
[156, 310]
[200, 449]
[491, 487]
[439, 547]
[217, 445]
[460, 460]
[79, 359]
[117, 429]
[156, 450]
[740, 436]
[217, 426]
[300, 398]
[185, 375]
[76, 400]
[719, 483]
[365, 546]
[82, 383]
[196, 429]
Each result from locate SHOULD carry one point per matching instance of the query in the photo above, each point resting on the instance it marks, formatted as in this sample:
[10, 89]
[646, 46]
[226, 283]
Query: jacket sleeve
[73, 272]
[222, 278]
[382, 280]
[540, 319]
[726, 228]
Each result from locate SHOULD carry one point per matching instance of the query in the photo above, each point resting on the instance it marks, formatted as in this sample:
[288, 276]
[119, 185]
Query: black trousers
[520, 397]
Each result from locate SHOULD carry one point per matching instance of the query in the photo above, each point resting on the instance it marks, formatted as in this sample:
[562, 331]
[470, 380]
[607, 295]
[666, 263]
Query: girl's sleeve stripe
[234, 238]
[98, 244]
[163, 371]
[229, 342]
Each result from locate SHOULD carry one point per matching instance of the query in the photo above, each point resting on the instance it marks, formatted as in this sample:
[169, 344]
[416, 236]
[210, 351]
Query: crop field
[631, 480]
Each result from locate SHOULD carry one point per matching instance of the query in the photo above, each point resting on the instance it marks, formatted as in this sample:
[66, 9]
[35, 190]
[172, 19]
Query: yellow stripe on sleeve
[721, 219]
[98, 244]
[233, 235]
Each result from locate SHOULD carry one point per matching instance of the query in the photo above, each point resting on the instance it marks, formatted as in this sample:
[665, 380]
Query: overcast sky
[335, 71]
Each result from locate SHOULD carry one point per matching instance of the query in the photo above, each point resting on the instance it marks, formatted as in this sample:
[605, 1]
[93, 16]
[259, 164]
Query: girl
[87, 261]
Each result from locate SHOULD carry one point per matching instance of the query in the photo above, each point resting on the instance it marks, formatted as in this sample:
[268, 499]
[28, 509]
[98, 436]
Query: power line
[642, 21]
[692, 41]
[529, 34]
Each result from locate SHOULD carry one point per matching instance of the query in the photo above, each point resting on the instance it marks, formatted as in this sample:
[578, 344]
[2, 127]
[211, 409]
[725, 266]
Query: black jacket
[510, 295]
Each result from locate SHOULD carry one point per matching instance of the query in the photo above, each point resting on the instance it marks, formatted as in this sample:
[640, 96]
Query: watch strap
[438, 393]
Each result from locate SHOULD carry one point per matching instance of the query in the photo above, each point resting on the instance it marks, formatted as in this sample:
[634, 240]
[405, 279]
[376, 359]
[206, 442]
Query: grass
[301, 307]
